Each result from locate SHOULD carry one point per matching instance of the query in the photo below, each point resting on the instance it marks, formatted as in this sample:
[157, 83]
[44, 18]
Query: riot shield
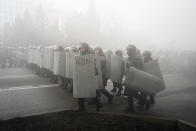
[69, 65]
[84, 77]
[35, 60]
[51, 59]
[62, 64]
[56, 70]
[38, 58]
[143, 81]
[153, 67]
[98, 73]
[42, 58]
[115, 71]
[45, 58]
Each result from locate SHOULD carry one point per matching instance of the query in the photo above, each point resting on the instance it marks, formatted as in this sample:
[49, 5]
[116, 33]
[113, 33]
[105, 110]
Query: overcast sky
[167, 23]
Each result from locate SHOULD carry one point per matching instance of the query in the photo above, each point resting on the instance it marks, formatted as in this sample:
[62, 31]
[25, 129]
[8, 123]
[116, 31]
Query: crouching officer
[136, 61]
[147, 58]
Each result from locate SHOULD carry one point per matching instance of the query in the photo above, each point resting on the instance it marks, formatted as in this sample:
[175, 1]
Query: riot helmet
[60, 48]
[74, 50]
[119, 53]
[146, 55]
[131, 50]
[84, 48]
[98, 51]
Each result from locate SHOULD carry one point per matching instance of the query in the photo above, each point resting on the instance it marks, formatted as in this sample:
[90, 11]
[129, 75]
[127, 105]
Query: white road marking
[28, 87]
[16, 76]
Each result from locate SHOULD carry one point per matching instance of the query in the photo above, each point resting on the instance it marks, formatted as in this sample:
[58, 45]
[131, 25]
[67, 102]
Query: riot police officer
[133, 60]
[56, 77]
[99, 52]
[115, 84]
[147, 57]
[84, 50]
[69, 81]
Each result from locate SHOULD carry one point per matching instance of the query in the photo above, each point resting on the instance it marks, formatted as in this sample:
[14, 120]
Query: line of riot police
[85, 72]
[12, 57]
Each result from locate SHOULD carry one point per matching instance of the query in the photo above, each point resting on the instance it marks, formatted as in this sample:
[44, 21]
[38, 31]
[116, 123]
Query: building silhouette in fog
[84, 26]
[10, 9]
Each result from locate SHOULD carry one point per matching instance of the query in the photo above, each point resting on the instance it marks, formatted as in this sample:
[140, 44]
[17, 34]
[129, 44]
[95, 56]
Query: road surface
[22, 93]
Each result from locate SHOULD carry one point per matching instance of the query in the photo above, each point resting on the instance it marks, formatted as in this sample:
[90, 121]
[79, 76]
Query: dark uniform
[99, 51]
[136, 61]
[108, 62]
[147, 57]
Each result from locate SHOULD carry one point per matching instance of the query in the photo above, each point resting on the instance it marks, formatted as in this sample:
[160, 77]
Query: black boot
[107, 94]
[114, 90]
[119, 92]
[55, 79]
[42, 72]
[98, 104]
[145, 101]
[92, 101]
[66, 83]
[81, 105]
[62, 83]
[130, 107]
[110, 99]
[147, 106]
[152, 100]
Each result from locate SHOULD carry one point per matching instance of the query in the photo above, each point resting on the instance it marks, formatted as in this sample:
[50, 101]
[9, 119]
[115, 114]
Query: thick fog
[112, 24]
[112, 56]
[159, 24]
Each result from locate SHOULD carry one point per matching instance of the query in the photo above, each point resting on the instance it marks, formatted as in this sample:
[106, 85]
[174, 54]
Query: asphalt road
[22, 93]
